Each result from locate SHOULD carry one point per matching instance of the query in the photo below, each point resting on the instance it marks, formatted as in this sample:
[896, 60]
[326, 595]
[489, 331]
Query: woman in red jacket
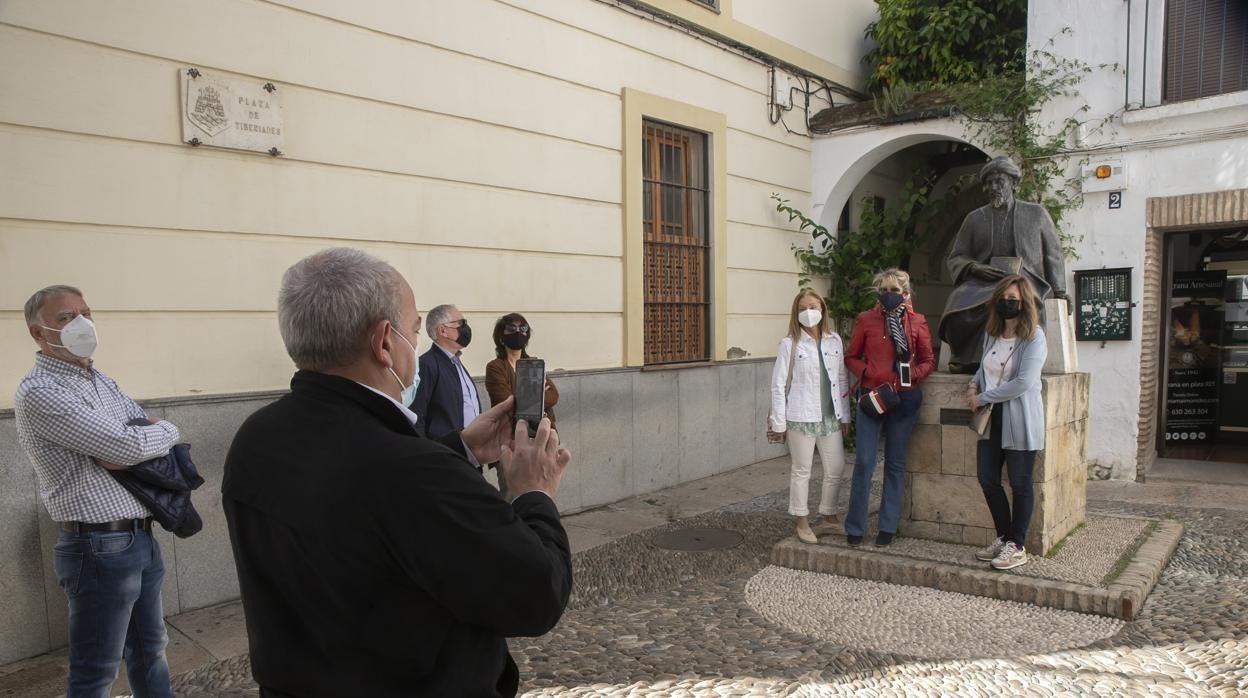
[891, 344]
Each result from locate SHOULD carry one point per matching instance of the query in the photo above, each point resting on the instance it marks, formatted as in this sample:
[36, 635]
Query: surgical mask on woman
[809, 317]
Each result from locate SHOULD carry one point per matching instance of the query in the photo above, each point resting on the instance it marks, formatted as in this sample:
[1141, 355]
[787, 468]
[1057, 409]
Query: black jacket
[163, 485]
[375, 562]
[439, 400]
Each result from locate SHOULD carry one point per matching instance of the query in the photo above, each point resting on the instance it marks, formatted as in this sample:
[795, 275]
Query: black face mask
[516, 341]
[1009, 308]
[465, 334]
[890, 300]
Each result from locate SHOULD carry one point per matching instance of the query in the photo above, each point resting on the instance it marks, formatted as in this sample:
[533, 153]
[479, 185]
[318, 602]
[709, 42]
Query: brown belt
[79, 527]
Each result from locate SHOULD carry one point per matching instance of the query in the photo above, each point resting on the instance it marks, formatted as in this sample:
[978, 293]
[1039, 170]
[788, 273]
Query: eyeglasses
[515, 329]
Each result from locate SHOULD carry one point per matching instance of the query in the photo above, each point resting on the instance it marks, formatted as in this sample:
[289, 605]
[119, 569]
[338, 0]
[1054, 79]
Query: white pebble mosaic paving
[915, 621]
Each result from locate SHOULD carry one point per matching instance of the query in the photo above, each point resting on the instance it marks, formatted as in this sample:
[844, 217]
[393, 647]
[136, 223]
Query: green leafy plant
[894, 99]
[942, 42]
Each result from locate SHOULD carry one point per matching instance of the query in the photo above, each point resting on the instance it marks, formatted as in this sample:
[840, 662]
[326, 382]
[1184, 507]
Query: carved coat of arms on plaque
[204, 108]
[230, 112]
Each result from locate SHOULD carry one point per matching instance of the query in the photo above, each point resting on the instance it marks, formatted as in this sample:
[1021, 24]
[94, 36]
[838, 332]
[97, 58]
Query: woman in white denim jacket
[815, 406]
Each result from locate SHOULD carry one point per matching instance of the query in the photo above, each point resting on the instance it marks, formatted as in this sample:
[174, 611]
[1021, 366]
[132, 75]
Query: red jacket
[871, 349]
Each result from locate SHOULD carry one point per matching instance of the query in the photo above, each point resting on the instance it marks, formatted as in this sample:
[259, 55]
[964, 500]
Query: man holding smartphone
[373, 561]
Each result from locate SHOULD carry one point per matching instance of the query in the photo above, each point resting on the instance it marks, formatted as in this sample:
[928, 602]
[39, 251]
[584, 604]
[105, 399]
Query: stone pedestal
[943, 500]
[1059, 331]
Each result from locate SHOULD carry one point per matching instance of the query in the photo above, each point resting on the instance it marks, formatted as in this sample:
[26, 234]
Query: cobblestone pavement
[645, 621]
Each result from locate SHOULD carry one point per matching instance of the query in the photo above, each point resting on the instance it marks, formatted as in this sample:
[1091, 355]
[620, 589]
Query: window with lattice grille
[1206, 48]
[676, 244]
[713, 4]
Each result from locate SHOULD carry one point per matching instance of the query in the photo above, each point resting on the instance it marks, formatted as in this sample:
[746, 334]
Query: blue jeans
[1020, 464]
[895, 426]
[112, 580]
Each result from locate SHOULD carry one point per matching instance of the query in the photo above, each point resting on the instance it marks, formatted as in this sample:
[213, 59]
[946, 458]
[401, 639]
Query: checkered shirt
[65, 416]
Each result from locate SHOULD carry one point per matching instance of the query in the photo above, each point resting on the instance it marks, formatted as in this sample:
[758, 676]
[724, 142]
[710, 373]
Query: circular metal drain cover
[698, 539]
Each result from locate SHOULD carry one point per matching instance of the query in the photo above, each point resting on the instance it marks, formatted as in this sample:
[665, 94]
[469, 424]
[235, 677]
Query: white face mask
[408, 392]
[809, 317]
[78, 336]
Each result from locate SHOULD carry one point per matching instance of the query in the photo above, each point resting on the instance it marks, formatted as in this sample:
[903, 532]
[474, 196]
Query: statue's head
[1000, 176]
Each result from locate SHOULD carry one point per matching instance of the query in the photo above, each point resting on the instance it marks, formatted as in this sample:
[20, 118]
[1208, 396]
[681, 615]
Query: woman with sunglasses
[891, 345]
[1008, 383]
[511, 340]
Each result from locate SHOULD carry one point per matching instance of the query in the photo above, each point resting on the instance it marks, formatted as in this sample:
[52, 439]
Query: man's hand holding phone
[534, 463]
[529, 391]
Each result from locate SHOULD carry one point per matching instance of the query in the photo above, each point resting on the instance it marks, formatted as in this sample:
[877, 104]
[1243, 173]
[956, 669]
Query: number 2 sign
[1115, 199]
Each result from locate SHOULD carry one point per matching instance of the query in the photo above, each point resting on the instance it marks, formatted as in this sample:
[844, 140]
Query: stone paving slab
[1118, 593]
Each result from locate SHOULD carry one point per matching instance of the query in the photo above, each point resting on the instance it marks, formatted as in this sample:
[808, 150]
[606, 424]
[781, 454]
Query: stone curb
[1122, 598]
[1139, 577]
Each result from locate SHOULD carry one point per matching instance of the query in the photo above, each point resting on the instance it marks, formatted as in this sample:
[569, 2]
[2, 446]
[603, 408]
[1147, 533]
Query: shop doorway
[1204, 361]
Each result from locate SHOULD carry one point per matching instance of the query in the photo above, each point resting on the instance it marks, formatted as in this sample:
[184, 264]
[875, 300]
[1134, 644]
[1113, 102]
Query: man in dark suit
[447, 399]
[373, 561]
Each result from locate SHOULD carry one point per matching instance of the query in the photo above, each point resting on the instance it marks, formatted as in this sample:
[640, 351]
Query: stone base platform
[1107, 568]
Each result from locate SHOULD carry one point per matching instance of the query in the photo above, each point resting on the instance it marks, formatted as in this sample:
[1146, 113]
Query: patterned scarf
[897, 331]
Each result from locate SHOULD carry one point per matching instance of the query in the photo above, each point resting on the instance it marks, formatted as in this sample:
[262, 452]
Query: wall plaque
[229, 112]
[950, 416]
[1103, 304]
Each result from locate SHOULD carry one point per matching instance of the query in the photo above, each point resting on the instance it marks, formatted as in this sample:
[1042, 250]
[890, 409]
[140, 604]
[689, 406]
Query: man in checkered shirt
[71, 420]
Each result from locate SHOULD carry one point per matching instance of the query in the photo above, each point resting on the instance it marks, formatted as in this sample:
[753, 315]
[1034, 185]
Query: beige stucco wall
[822, 30]
[477, 145]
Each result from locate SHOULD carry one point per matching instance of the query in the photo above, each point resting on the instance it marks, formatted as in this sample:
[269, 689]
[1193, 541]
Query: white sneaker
[1011, 556]
[993, 549]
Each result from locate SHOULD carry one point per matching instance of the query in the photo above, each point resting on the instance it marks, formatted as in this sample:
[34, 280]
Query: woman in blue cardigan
[1008, 383]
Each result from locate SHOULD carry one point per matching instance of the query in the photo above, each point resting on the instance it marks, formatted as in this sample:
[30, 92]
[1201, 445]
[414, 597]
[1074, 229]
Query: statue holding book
[1005, 237]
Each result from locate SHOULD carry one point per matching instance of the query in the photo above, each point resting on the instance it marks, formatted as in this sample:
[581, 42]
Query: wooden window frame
[638, 108]
[676, 244]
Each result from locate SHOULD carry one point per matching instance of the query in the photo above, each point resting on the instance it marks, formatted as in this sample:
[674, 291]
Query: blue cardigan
[1020, 398]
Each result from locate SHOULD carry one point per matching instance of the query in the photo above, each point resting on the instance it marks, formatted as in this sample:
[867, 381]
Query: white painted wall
[1184, 148]
[476, 145]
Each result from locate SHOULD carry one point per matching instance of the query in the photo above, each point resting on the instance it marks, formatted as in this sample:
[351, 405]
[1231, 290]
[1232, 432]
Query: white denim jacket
[803, 403]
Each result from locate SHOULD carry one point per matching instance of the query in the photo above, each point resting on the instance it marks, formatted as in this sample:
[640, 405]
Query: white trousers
[802, 450]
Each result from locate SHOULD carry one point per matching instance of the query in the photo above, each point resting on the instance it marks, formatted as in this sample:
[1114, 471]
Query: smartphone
[903, 372]
[530, 392]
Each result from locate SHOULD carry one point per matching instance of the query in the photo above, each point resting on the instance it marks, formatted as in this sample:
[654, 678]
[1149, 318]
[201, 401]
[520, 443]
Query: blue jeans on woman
[1020, 464]
[895, 426]
[112, 580]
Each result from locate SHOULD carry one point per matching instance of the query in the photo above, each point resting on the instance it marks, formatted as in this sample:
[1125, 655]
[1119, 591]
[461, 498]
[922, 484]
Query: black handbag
[878, 400]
